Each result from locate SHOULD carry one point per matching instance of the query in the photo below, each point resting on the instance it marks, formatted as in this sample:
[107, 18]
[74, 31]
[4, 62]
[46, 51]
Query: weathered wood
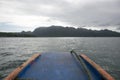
[98, 68]
[14, 74]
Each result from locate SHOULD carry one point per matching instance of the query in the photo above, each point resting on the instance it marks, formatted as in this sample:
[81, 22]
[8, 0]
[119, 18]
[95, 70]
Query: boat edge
[97, 67]
[15, 72]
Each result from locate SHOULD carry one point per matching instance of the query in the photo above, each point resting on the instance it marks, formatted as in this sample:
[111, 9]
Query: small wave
[5, 54]
[5, 68]
[11, 64]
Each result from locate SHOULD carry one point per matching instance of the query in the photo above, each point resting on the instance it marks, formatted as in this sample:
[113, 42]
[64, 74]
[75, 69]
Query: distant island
[60, 31]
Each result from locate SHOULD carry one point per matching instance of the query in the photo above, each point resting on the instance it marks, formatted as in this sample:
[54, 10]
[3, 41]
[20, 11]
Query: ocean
[105, 51]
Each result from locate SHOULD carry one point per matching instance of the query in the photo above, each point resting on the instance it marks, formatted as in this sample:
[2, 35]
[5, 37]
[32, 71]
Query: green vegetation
[4, 34]
[60, 31]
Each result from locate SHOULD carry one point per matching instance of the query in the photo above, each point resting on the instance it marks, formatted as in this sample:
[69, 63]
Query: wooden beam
[98, 68]
[14, 74]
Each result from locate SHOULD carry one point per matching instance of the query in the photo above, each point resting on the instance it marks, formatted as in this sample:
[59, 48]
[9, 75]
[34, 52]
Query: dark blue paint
[55, 66]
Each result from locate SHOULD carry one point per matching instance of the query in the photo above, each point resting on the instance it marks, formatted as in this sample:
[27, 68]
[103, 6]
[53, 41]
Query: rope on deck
[83, 64]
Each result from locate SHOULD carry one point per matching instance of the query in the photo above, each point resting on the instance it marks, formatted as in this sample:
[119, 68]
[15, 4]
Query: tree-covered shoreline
[60, 31]
[6, 34]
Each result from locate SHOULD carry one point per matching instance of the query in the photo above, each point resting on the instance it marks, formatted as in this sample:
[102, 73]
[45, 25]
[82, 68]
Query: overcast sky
[18, 15]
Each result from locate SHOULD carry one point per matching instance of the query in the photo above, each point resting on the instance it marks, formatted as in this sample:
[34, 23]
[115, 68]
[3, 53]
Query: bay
[105, 51]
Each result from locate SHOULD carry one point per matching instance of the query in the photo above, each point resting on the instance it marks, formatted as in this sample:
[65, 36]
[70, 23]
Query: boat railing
[83, 64]
[102, 72]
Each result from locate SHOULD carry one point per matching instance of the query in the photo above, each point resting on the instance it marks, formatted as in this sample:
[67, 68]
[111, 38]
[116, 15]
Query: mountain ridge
[60, 31]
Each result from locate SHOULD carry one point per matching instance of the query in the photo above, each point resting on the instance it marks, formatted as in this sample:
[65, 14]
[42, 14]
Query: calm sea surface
[104, 51]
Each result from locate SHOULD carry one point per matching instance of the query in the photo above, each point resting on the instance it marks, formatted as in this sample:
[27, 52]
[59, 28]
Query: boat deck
[54, 66]
[59, 66]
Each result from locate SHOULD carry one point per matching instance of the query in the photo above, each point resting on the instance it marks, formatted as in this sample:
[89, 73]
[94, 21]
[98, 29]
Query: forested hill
[9, 34]
[59, 31]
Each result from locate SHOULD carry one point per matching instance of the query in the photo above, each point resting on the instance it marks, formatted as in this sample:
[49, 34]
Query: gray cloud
[97, 13]
[118, 28]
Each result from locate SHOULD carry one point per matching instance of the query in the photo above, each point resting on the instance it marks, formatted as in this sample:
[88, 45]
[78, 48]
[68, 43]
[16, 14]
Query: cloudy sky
[18, 15]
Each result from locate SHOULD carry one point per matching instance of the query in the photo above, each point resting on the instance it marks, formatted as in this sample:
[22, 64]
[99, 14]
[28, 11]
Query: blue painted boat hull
[54, 66]
[58, 66]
